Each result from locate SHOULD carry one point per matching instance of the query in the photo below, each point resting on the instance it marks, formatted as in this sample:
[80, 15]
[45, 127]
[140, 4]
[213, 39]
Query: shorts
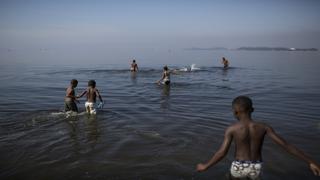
[90, 107]
[166, 81]
[246, 169]
[70, 106]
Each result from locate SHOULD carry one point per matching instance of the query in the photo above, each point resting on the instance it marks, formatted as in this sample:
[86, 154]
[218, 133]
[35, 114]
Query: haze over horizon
[78, 31]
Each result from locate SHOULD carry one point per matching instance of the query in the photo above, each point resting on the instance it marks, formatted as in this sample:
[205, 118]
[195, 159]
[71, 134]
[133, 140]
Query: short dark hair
[165, 68]
[92, 83]
[244, 102]
[74, 82]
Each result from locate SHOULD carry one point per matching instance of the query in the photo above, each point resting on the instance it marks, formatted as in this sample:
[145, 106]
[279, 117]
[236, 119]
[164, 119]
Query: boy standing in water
[225, 62]
[248, 137]
[134, 66]
[70, 98]
[92, 93]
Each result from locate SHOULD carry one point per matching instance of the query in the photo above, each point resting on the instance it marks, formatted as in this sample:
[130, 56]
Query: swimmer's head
[92, 83]
[165, 68]
[74, 83]
[242, 104]
[134, 61]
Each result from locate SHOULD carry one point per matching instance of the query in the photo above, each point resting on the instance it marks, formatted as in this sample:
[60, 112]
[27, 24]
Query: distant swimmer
[134, 66]
[70, 98]
[248, 137]
[92, 92]
[165, 79]
[225, 62]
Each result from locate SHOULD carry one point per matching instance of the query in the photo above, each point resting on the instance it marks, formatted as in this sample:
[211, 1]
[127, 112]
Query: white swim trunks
[90, 107]
[246, 169]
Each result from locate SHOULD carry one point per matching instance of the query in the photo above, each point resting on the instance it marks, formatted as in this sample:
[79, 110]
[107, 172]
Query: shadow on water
[225, 74]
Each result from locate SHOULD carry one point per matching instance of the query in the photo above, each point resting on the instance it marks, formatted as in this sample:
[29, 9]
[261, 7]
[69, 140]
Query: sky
[79, 30]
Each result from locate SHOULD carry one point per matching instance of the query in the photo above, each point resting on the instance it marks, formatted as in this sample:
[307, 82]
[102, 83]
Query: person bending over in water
[134, 66]
[248, 137]
[70, 98]
[92, 93]
[165, 79]
[225, 62]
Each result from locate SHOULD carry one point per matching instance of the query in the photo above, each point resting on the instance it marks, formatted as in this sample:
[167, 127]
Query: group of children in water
[248, 135]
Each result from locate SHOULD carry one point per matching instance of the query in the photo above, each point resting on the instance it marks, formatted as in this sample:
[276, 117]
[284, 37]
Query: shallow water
[146, 131]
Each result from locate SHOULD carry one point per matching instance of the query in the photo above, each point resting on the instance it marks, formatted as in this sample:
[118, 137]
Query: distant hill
[275, 49]
[205, 49]
[252, 49]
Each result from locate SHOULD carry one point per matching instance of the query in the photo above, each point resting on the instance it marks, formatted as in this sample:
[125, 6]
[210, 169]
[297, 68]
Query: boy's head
[92, 83]
[74, 83]
[242, 104]
[134, 61]
[165, 68]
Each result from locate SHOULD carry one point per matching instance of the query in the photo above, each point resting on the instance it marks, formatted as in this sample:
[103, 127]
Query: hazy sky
[80, 28]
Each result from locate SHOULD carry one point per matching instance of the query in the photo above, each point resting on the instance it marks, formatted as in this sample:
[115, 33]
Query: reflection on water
[92, 130]
[83, 132]
[134, 77]
[165, 97]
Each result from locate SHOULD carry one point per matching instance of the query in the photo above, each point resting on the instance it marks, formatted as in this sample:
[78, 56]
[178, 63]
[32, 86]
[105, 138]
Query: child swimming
[92, 92]
[248, 137]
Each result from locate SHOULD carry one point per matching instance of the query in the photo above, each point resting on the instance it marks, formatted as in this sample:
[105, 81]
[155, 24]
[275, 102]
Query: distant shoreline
[252, 49]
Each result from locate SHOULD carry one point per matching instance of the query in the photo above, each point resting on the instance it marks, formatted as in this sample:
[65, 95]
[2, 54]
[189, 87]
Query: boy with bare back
[248, 137]
[92, 93]
[134, 66]
[70, 98]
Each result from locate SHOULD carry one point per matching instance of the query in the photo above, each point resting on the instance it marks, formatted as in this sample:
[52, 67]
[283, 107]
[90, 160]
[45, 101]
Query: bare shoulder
[231, 128]
[261, 125]
[70, 89]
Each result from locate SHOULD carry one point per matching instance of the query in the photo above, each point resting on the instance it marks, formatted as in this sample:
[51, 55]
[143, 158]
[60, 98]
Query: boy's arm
[98, 94]
[220, 153]
[161, 78]
[175, 72]
[315, 168]
[82, 94]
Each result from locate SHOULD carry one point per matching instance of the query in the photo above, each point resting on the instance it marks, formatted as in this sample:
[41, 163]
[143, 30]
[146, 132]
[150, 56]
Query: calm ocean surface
[146, 131]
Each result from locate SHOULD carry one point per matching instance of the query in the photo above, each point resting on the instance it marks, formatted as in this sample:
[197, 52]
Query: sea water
[147, 131]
